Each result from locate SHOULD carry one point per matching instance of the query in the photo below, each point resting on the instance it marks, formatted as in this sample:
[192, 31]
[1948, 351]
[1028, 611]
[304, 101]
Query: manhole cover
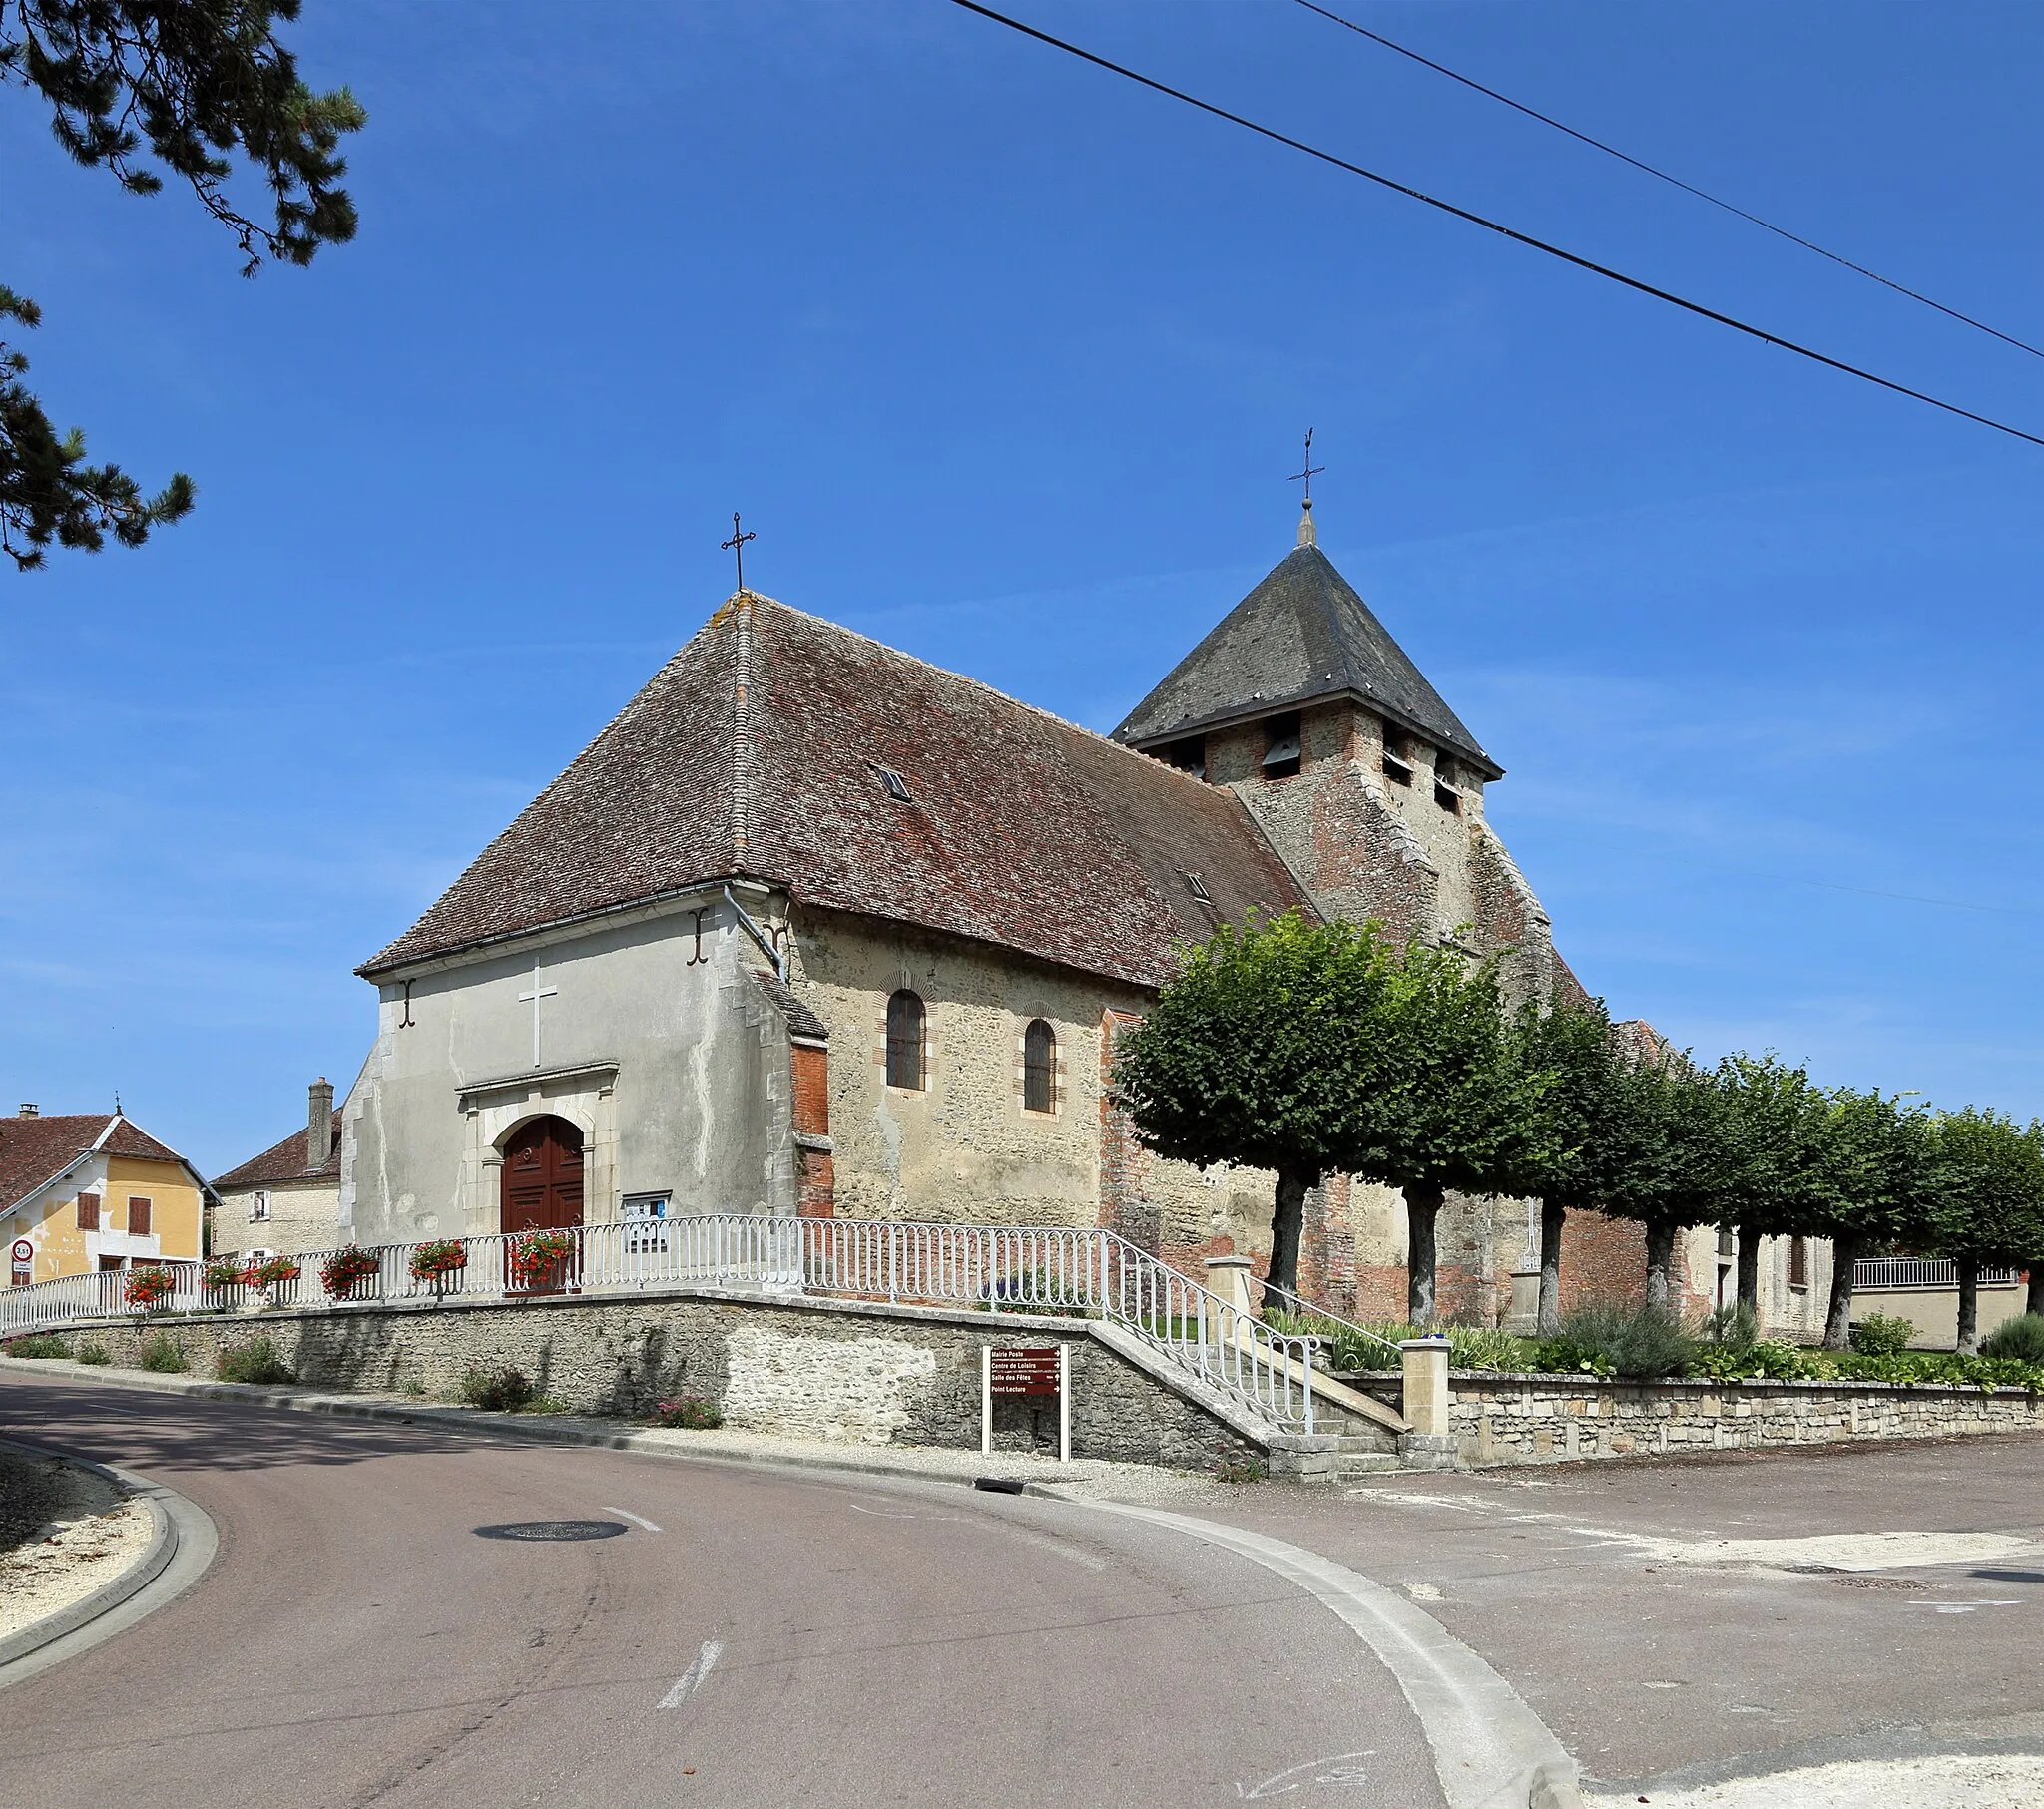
[554, 1529]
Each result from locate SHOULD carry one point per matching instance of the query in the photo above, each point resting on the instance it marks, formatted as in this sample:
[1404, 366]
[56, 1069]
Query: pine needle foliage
[149, 89]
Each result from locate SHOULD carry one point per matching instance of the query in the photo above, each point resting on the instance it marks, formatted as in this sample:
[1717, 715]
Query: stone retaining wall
[826, 1369]
[1548, 1418]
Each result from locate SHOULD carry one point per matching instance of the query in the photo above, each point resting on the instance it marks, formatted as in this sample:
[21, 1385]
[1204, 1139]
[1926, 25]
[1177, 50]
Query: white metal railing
[1920, 1272]
[1048, 1270]
[1306, 1310]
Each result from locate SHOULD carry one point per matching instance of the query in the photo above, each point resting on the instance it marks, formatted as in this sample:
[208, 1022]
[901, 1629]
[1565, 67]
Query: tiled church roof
[1301, 635]
[38, 1150]
[763, 749]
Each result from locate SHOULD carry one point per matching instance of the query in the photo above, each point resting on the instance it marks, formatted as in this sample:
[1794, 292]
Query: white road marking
[693, 1680]
[1959, 1607]
[882, 1514]
[639, 1518]
[1343, 1772]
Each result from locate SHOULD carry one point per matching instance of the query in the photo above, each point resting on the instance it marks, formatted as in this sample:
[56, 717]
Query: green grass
[96, 1354]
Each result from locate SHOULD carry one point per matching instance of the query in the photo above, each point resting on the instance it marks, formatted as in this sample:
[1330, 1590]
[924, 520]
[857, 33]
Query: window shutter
[88, 1212]
[138, 1217]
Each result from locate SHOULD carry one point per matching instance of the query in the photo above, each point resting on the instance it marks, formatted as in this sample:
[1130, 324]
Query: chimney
[319, 1123]
[28, 1111]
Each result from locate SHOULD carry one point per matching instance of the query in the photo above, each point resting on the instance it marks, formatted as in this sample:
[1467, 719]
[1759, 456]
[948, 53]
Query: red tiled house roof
[284, 1161]
[761, 750]
[38, 1150]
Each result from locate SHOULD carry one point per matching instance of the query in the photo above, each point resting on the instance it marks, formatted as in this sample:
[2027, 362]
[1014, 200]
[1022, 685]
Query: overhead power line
[1596, 144]
[1504, 231]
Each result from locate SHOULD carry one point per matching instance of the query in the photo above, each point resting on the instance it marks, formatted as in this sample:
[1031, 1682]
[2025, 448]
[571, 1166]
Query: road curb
[165, 1538]
[1491, 1751]
[564, 1429]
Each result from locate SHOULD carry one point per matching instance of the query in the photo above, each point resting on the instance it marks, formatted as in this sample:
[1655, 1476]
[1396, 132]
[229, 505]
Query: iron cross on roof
[737, 543]
[1307, 475]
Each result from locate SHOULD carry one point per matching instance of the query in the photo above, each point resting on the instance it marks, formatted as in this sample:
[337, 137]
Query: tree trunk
[1969, 1305]
[1750, 1272]
[1423, 1207]
[1659, 1259]
[1838, 1323]
[1553, 1215]
[1286, 1217]
[2035, 1301]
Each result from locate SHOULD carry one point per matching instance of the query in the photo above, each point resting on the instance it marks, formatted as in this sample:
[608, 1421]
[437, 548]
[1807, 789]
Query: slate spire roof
[1301, 636]
[781, 747]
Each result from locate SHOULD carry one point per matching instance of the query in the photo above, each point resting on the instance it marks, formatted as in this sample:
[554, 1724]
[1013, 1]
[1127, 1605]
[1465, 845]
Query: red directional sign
[1020, 1370]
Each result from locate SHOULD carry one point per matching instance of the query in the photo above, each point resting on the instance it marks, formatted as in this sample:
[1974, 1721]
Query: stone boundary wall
[847, 1371]
[1549, 1419]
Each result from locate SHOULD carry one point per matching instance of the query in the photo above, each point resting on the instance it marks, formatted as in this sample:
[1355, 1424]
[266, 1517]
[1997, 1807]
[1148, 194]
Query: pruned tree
[1572, 1044]
[1257, 1051]
[1470, 1112]
[1875, 1150]
[1780, 1171]
[1984, 1203]
[147, 89]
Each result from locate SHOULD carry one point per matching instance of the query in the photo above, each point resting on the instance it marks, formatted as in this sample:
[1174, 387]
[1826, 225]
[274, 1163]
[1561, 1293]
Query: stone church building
[813, 927]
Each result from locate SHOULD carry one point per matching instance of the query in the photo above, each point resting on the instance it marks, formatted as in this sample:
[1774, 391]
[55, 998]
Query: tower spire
[1306, 475]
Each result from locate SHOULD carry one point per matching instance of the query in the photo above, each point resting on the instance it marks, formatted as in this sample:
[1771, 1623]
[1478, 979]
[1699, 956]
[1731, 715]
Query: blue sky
[1007, 362]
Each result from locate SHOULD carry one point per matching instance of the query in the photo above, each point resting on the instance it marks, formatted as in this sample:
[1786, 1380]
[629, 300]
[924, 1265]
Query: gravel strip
[66, 1533]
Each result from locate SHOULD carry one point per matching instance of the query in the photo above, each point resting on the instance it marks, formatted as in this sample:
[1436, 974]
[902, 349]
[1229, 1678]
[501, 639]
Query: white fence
[1920, 1272]
[1048, 1270]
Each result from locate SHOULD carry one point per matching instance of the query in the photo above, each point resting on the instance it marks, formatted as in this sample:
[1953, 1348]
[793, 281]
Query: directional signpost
[1025, 1370]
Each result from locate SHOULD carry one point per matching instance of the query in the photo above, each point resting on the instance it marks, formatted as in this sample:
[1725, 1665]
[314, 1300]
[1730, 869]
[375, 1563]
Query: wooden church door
[542, 1178]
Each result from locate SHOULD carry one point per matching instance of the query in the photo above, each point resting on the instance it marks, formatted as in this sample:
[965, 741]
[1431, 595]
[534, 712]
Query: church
[813, 927]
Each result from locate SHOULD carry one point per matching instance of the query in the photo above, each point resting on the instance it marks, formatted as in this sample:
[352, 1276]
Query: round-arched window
[1039, 1067]
[905, 1040]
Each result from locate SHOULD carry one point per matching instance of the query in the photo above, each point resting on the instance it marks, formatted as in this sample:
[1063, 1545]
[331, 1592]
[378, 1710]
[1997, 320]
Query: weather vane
[1312, 470]
[737, 543]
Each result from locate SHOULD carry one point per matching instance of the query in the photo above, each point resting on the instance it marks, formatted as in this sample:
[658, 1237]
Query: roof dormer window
[1280, 751]
[1189, 755]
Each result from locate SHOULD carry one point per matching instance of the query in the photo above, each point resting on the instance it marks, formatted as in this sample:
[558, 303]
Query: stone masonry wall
[1500, 1420]
[826, 1369]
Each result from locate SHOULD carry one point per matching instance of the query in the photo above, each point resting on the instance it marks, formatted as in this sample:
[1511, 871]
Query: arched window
[1039, 1067]
[904, 1040]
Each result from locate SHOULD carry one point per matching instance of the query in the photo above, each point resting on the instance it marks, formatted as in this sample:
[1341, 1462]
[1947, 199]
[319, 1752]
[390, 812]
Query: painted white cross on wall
[538, 993]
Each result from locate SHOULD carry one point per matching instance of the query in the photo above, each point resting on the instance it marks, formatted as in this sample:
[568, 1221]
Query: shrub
[255, 1362]
[1469, 1346]
[1643, 1344]
[2020, 1338]
[1238, 1470]
[38, 1345]
[164, 1354]
[1879, 1335]
[1734, 1327]
[96, 1354]
[549, 1404]
[694, 1413]
[1759, 1360]
[497, 1390]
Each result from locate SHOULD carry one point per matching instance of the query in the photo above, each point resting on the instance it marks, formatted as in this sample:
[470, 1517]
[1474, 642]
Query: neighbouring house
[92, 1192]
[813, 927]
[288, 1199]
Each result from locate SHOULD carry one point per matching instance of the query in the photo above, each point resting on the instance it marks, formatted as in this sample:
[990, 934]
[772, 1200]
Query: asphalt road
[1661, 1657]
[752, 1638]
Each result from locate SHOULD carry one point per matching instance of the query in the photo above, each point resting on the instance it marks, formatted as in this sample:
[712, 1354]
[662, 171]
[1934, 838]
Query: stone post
[1228, 1278]
[1426, 1386]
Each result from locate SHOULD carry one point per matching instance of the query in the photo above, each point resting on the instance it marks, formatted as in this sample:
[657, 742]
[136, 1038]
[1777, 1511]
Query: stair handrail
[1294, 1303]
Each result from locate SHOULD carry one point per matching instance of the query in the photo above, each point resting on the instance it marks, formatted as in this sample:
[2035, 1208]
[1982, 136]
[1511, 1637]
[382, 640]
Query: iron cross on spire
[1306, 520]
[737, 543]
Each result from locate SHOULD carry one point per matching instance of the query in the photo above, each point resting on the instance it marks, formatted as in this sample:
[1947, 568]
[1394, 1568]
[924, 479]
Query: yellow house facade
[93, 1193]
